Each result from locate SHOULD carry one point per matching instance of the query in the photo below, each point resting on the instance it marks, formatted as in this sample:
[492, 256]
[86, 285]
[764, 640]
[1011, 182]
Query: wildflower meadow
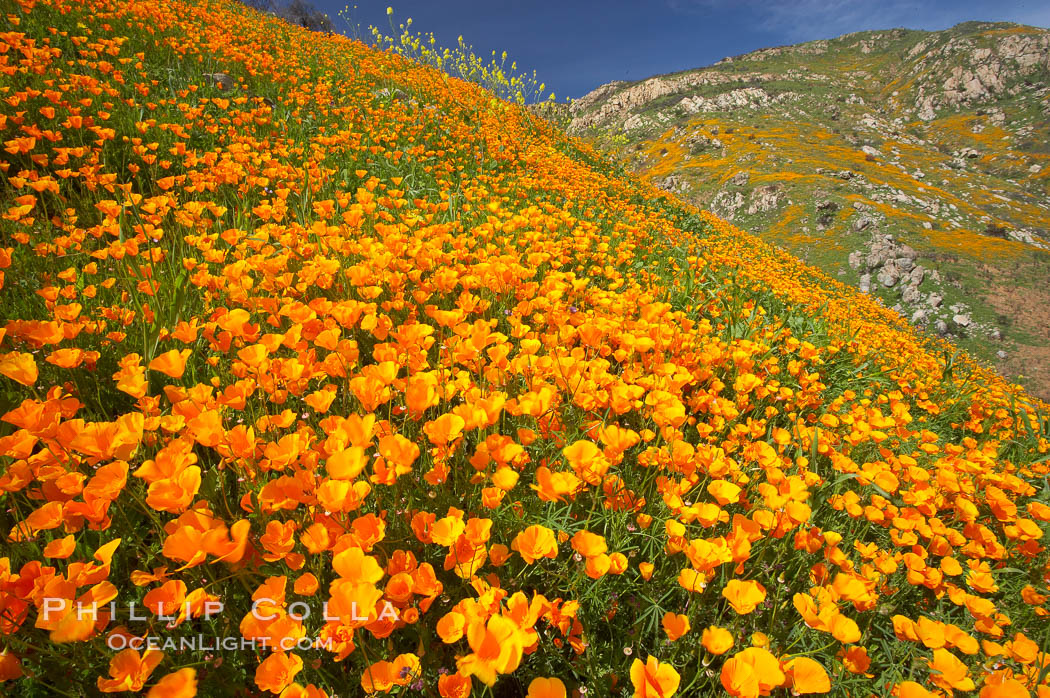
[324, 373]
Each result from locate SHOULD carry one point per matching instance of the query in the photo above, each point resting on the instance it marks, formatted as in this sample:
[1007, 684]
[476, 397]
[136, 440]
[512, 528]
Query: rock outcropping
[911, 164]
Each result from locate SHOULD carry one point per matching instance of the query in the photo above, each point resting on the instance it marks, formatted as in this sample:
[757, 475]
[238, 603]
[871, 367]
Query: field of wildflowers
[791, 166]
[404, 392]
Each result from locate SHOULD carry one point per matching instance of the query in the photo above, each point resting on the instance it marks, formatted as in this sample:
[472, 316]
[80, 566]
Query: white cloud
[801, 20]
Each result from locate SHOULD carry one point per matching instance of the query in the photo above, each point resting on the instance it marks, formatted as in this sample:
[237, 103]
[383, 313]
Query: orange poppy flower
[347, 464]
[587, 461]
[405, 669]
[598, 566]
[588, 544]
[277, 671]
[206, 428]
[499, 554]
[445, 429]
[400, 451]
[451, 627]
[321, 400]
[354, 565]
[454, 686]
[129, 671]
[497, 649]
[844, 629]
[546, 688]
[751, 672]
[465, 558]
[118, 440]
[910, 689]
[948, 672]
[10, 666]
[421, 392]
[805, 675]
[552, 486]
[855, 659]
[81, 619]
[716, 640]
[60, 548]
[535, 542]
[998, 685]
[167, 599]
[378, 677]
[175, 494]
[20, 368]
[446, 531]
[654, 679]
[724, 492]
[306, 585]
[675, 625]
[744, 596]
[171, 363]
[178, 684]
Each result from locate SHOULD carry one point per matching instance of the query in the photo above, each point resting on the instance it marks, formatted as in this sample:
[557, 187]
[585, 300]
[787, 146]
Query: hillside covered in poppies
[911, 164]
[324, 373]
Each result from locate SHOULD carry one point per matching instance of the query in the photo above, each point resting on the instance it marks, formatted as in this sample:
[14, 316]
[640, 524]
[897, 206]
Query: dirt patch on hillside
[1034, 364]
[1029, 311]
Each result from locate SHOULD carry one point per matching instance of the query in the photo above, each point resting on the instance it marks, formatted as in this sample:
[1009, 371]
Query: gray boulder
[224, 81]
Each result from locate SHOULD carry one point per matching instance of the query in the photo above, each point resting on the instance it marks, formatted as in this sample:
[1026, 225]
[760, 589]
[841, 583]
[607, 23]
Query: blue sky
[577, 45]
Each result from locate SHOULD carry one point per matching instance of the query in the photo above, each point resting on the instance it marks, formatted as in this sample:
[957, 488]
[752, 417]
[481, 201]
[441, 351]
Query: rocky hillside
[324, 373]
[911, 164]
